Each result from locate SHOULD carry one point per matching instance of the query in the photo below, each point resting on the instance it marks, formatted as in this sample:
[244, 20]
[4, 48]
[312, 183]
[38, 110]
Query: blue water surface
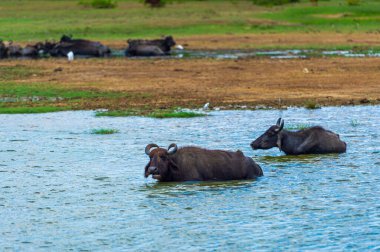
[65, 189]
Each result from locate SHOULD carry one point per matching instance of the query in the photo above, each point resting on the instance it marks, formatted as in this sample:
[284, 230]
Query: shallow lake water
[65, 189]
[273, 54]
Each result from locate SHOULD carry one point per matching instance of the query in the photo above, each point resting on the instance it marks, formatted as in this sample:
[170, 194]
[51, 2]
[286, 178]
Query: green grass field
[32, 20]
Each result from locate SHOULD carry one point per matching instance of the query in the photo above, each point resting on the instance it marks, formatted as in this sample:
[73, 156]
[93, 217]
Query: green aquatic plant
[104, 131]
[297, 126]
[175, 114]
[117, 113]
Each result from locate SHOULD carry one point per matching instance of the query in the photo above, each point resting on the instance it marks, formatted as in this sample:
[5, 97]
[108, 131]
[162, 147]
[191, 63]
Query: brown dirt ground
[162, 83]
[251, 41]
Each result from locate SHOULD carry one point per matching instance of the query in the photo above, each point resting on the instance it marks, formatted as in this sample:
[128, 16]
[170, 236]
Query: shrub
[353, 2]
[155, 3]
[99, 4]
[312, 105]
[273, 2]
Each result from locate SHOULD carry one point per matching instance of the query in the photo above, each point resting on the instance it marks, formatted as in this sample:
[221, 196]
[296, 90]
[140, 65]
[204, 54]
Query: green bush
[98, 4]
[273, 2]
[353, 2]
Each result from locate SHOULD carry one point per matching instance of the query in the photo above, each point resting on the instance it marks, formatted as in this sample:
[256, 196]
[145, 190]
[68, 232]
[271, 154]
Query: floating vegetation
[117, 113]
[176, 114]
[297, 126]
[104, 131]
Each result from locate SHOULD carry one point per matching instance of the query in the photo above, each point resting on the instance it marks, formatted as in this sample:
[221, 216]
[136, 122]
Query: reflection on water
[63, 188]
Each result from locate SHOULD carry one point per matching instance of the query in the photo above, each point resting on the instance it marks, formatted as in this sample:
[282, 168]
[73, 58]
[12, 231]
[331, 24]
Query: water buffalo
[314, 140]
[197, 164]
[13, 50]
[33, 50]
[145, 50]
[156, 47]
[3, 50]
[79, 47]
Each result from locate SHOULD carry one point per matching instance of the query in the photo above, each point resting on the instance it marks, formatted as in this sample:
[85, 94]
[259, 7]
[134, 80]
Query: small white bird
[206, 106]
[179, 47]
[70, 56]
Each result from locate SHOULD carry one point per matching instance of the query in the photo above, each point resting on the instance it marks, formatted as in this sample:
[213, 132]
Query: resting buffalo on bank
[79, 47]
[196, 164]
[314, 140]
[3, 50]
[11, 50]
[156, 47]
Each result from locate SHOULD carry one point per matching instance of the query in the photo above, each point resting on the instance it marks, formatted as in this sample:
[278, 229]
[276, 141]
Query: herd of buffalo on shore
[85, 48]
[198, 164]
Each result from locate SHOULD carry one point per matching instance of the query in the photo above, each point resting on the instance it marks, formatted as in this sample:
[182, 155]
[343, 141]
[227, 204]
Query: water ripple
[65, 189]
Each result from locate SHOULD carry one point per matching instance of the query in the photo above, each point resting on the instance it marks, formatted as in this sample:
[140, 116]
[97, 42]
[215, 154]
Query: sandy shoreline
[165, 83]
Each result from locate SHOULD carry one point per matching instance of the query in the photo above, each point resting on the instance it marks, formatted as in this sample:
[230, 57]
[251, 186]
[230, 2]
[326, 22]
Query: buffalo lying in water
[197, 164]
[314, 140]
[34, 50]
[156, 47]
[12, 50]
[79, 47]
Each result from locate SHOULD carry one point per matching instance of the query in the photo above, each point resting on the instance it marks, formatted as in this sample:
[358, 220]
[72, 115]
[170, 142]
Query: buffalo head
[169, 41]
[270, 138]
[66, 38]
[160, 164]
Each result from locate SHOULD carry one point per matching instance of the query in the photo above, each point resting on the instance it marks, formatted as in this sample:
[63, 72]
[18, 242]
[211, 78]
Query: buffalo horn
[282, 125]
[148, 147]
[278, 121]
[174, 150]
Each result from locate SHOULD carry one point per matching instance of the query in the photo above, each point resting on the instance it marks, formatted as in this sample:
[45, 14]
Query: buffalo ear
[173, 164]
[146, 168]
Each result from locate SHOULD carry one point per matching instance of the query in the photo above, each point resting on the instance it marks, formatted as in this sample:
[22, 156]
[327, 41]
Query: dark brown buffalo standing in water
[195, 164]
[79, 47]
[156, 47]
[314, 140]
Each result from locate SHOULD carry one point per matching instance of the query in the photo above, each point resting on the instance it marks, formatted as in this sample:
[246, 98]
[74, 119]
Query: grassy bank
[25, 20]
